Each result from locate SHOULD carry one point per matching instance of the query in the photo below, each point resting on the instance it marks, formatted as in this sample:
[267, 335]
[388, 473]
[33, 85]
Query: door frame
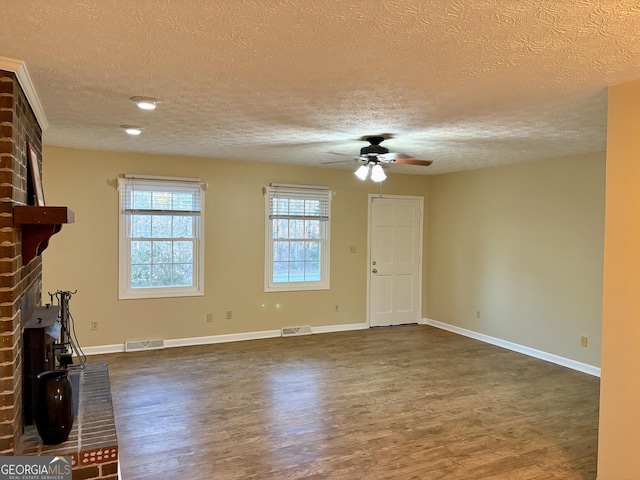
[420, 239]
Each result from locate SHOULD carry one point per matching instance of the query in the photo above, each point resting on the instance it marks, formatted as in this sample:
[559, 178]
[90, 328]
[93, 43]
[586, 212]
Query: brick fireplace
[93, 444]
[18, 125]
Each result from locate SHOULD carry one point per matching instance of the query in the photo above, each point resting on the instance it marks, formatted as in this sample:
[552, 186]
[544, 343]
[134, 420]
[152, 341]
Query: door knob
[375, 270]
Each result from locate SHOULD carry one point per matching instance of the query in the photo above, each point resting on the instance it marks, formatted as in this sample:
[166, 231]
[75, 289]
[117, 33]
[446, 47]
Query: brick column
[18, 125]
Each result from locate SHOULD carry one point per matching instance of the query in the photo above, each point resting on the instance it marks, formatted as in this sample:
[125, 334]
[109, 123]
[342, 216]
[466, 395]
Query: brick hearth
[92, 443]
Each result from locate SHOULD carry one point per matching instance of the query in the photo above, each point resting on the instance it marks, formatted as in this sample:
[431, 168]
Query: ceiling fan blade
[392, 156]
[338, 161]
[383, 136]
[413, 161]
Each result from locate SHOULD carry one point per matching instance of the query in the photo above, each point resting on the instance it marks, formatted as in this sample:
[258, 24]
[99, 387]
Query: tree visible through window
[160, 238]
[297, 238]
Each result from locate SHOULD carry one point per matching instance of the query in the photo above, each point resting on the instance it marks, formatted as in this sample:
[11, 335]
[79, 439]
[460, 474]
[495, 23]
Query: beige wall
[84, 255]
[619, 440]
[508, 241]
[523, 244]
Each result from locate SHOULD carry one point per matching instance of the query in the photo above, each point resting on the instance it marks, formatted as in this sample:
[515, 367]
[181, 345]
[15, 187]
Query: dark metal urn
[53, 407]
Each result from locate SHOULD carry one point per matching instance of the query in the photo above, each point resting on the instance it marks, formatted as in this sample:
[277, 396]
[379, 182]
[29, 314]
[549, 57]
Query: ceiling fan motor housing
[375, 148]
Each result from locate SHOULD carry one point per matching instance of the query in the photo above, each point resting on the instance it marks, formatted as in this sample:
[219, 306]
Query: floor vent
[143, 345]
[294, 331]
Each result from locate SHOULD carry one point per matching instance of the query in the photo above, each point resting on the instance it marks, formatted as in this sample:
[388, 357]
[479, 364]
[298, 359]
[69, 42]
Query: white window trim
[125, 292]
[324, 283]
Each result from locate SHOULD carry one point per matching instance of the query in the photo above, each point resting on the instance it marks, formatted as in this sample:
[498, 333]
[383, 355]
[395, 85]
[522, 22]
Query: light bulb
[377, 174]
[362, 172]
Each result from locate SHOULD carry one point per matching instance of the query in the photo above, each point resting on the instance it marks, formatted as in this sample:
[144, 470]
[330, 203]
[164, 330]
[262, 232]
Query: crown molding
[22, 74]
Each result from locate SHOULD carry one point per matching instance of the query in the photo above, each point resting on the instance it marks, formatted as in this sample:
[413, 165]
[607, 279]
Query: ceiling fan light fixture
[131, 130]
[363, 172]
[377, 173]
[146, 103]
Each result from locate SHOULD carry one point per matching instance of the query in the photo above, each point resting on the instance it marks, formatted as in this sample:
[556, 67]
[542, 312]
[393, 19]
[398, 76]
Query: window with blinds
[161, 237]
[297, 237]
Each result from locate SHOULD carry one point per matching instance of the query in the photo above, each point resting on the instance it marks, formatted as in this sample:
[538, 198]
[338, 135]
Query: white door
[395, 239]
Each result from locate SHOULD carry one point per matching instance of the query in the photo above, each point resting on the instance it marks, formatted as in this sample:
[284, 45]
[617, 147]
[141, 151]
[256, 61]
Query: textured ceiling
[465, 83]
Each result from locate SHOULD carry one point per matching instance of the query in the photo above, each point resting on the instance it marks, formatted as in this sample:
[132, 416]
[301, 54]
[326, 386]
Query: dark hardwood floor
[410, 402]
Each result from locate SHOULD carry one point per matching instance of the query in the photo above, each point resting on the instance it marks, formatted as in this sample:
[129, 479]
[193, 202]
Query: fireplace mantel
[39, 224]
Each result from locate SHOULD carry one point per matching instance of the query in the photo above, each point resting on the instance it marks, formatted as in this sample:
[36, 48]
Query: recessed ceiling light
[146, 103]
[131, 130]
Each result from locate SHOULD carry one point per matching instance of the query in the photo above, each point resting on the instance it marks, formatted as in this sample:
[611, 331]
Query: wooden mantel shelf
[38, 225]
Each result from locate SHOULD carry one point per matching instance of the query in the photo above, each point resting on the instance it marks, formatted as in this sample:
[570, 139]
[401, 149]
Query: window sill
[295, 288]
[159, 294]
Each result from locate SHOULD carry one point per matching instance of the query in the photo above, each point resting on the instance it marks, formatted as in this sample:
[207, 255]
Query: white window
[297, 238]
[161, 237]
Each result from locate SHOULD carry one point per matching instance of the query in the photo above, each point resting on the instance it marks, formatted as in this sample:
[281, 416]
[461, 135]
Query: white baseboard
[103, 349]
[532, 352]
[231, 337]
[238, 337]
[340, 328]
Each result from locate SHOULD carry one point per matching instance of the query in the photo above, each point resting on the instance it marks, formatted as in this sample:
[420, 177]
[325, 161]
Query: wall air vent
[295, 331]
[143, 345]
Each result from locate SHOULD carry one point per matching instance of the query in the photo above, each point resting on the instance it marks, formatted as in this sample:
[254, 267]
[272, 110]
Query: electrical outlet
[337, 309]
[229, 315]
[94, 325]
[353, 249]
[584, 341]
[209, 317]
[478, 314]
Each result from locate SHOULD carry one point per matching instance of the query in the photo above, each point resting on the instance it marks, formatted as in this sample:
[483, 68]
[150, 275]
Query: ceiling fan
[374, 154]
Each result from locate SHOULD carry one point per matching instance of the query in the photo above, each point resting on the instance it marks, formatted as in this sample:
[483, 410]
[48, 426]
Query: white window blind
[297, 203]
[160, 197]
